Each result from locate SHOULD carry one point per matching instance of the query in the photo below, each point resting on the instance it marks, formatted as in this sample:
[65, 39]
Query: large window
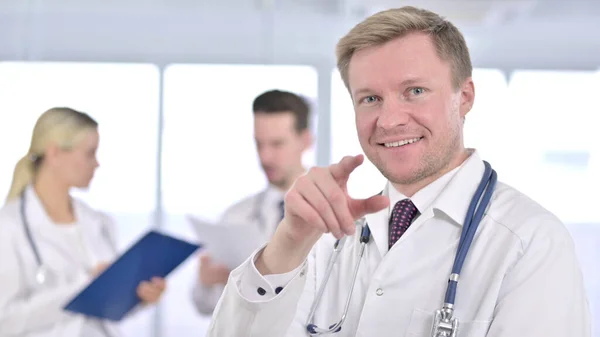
[123, 98]
[209, 157]
[553, 140]
[486, 123]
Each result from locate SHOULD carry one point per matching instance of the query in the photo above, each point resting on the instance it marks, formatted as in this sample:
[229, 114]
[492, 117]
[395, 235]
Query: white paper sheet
[229, 244]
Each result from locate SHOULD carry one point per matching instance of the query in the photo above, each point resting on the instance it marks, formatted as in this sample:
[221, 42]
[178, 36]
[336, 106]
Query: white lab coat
[260, 210]
[27, 309]
[520, 278]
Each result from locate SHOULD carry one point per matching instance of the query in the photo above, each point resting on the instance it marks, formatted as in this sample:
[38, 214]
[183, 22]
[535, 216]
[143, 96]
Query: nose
[393, 113]
[265, 153]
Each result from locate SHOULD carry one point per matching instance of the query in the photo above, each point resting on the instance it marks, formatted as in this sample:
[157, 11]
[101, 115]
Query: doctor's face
[409, 116]
[76, 166]
[280, 146]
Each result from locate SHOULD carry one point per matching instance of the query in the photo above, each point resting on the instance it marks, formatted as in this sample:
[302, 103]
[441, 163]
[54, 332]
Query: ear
[467, 96]
[52, 153]
[307, 139]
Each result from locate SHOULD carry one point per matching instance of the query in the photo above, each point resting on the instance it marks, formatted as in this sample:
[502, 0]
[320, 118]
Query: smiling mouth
[402, 142]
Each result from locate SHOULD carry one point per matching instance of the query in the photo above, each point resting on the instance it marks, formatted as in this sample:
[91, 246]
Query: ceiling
[500, 33]
[462, 12]
[467, 11]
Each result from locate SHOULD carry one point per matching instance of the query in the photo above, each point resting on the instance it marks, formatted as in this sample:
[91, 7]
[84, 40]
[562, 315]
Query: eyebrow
[407, 82]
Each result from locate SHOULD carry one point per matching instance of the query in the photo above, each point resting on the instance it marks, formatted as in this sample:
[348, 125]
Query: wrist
[283, 253]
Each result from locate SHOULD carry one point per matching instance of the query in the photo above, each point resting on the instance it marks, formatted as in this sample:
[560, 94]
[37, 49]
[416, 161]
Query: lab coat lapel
[379, 229]
[94, 234]
[41, 226]
[44, 229]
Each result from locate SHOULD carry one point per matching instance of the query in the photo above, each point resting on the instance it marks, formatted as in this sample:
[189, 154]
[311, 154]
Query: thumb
[362, 207]
[205, 259]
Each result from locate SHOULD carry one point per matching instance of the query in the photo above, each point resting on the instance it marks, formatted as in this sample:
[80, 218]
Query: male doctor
[282, 135]
[408, 72]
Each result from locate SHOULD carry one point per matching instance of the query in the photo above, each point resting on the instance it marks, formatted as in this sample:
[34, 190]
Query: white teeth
[402, 142]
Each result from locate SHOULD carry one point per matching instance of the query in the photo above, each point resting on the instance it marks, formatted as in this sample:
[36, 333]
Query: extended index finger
[341, 171]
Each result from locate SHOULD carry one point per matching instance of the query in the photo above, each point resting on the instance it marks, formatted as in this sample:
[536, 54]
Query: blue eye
[417, 91]
[370, 99]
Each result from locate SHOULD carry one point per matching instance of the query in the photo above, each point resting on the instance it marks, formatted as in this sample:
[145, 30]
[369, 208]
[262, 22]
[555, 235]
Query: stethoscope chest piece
[444, 325]
[41, 275]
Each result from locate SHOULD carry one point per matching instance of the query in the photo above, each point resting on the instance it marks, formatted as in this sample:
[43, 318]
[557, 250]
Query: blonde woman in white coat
[42, 228]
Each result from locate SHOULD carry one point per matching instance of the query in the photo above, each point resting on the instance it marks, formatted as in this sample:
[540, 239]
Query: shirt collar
[456, 196]
[424, 197]
[449, 194]
[273, 194]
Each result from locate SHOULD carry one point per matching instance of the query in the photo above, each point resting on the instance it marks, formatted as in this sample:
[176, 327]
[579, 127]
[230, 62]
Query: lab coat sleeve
[544, 294]
[206, 297]
[22, 311]
[242, 313]
[251, 281]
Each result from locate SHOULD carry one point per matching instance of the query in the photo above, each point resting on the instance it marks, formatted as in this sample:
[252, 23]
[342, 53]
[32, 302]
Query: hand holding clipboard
[113, 293]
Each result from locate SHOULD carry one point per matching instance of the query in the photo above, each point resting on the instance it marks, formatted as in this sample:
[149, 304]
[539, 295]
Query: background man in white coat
[408, 72]
[282, 135]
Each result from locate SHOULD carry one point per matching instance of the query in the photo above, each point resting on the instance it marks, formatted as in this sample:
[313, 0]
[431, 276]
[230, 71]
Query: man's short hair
[279, 101]
[391, 24]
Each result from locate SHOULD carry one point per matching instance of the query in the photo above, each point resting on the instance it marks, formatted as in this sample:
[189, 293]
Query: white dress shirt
[261, 210]
[520, 278]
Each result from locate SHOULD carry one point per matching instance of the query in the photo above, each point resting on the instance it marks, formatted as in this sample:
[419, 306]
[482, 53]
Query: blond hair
[391, 24]
[64, 127]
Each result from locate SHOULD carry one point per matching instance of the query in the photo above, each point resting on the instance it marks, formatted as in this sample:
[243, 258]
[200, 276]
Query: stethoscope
[41, 273]
[444, 324]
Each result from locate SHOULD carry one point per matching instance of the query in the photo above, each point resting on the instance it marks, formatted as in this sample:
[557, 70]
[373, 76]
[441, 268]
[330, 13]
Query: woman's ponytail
[23, 175]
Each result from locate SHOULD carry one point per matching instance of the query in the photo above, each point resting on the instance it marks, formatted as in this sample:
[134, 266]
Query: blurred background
[171, 83]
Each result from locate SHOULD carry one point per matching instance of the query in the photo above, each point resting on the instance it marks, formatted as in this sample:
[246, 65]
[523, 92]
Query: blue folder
[113, 293]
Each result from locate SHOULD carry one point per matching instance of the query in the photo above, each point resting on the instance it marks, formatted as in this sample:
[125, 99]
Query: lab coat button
[261, 291]
[379, 292]
[278, 290]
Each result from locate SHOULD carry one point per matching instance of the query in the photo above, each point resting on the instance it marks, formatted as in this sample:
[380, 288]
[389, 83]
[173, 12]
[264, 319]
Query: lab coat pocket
[421, 322]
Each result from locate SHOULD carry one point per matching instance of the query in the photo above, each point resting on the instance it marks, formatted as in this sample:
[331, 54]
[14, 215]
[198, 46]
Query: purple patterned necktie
[402, 216]
[281, 209]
